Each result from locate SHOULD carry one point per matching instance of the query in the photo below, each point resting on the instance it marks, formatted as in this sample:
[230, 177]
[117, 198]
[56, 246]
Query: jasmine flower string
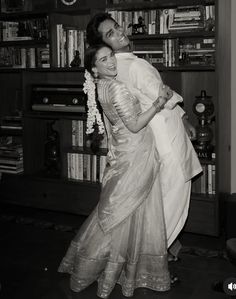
[93, 115]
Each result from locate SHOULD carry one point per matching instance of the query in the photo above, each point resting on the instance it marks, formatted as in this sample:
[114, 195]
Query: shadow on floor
[33, 243]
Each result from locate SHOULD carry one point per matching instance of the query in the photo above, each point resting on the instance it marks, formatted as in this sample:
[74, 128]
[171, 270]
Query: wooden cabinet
[39, 185]
[36, 49]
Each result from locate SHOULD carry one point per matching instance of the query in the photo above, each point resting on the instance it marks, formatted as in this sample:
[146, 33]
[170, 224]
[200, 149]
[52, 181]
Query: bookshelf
[177, 35]
[39, 186]
[179, 38]
[68, 192]
[37, 46]
[40, 40]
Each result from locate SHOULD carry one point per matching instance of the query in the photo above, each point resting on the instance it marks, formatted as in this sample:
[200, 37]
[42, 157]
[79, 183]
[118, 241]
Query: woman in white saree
[124, 239]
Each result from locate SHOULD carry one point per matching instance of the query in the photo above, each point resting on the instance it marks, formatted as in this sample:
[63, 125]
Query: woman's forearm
[144, 118]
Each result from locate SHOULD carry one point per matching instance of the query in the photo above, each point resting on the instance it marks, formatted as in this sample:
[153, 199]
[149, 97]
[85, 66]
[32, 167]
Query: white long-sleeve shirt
[144, 81]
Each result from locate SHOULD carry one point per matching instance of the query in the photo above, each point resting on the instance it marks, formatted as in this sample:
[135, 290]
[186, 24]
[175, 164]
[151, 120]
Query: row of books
[33, 29]
[11, 122]
[70, 46]
[11, 158]
[206, 182]
[85, 167]
[176, 52]
[17, 57]
[79, 137]
[190, 18]
[10, 6]
[197, 52]
[170, 54]
[163, 21]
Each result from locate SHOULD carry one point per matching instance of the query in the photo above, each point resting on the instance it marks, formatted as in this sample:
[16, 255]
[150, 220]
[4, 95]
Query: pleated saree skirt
[129, 250]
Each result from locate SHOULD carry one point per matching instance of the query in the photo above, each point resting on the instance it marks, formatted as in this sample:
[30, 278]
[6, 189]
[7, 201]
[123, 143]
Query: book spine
[69, 165]
[87, 167]
[73, 132]
[80, 166]
[209, 176]
[203, 180]
[213, 179]
[74, 166]
[80, 124]
[32, 58]
[23, 57]
[94, 168]
[58, 38]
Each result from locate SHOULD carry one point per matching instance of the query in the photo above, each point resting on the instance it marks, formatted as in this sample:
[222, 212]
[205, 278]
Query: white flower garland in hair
[93, 114]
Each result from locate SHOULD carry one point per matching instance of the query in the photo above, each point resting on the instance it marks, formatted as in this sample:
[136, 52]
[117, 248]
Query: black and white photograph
[117, 149]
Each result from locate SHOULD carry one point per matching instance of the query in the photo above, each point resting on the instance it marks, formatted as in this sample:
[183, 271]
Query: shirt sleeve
[123, 101]
[146, 78]
[180, 111]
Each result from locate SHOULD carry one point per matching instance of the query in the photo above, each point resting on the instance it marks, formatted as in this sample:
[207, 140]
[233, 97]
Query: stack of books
[11, 122]
[186, 18]
[35, 29]
[200, 51]
[11, 158]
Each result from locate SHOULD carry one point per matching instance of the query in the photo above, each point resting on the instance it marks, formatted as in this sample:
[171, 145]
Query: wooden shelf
[207, 161]
[203, 197]
[160, 68]
[85, 150]
[184, 34]
[186, 68]
[22, 15]
[41, 69]
[24, 43]
[10, 70]
[57, 194]
[11, 132]
[135, 5]
[57, 69]
[38, 189]
[73, 11]
[43, 176]
[54, 115]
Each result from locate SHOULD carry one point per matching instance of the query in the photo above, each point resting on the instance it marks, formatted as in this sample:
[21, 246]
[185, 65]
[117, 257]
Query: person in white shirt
[179, 161]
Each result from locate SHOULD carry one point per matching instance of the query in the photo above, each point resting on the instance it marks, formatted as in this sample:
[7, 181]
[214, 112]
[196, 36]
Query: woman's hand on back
[165, 91]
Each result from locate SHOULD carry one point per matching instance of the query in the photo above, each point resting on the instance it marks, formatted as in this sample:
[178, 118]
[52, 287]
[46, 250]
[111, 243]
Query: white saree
[124, 239]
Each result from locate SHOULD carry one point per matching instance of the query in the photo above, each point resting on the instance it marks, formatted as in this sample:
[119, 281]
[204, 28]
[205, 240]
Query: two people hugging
[132, 232]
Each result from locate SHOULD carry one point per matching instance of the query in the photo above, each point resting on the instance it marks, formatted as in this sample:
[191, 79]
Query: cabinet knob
[75, 101]
[45, 100]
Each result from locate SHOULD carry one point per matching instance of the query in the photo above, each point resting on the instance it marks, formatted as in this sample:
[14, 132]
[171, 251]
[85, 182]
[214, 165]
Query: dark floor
[33, 243]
